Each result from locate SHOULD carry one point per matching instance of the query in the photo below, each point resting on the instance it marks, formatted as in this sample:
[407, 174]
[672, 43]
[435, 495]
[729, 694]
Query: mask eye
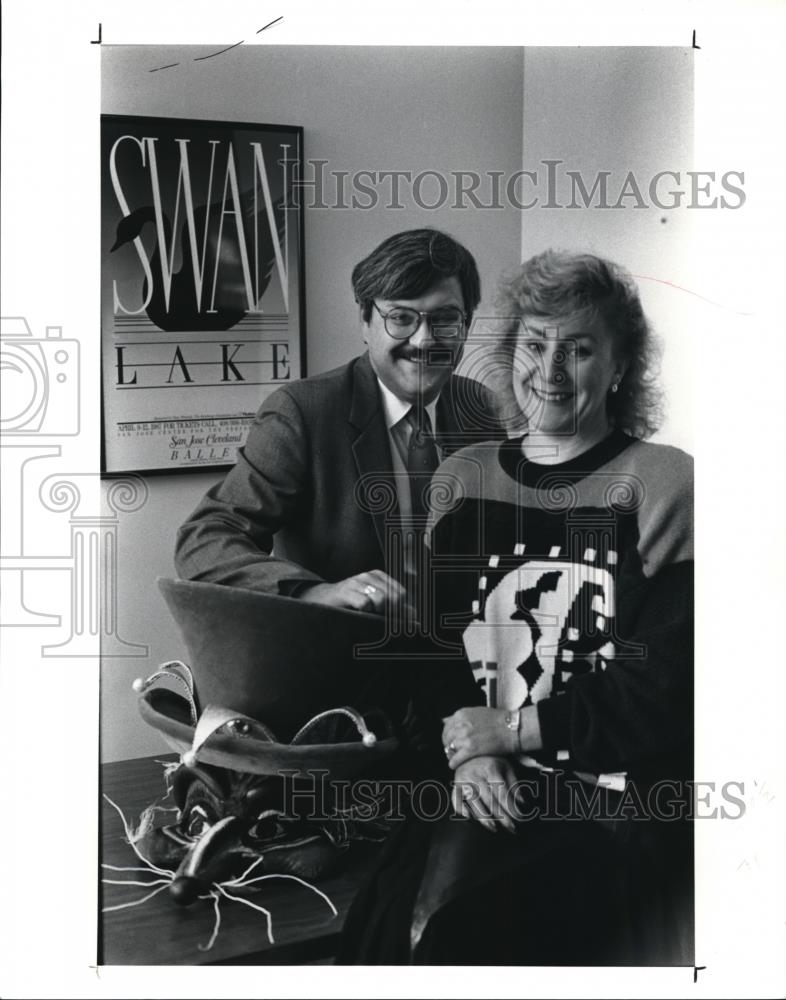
[197, 823]
[265, 827]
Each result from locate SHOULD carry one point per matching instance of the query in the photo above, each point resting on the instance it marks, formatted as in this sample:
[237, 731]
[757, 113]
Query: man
[332, 462]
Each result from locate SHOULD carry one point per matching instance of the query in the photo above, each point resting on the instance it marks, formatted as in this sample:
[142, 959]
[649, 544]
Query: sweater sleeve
[641, 706]
[638, 712]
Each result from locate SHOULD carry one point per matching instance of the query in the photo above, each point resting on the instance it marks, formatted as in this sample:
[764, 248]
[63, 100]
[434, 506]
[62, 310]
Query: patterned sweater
[570, 586]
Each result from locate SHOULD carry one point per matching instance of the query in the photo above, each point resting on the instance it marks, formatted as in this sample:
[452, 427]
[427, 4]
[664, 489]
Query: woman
[561, 563]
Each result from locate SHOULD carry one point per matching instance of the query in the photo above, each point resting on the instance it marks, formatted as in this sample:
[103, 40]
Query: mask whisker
[127, 828]
[136, 902]
[308, 885]
[251, 867]
[216, 925]
[122, 881]
[254, 906]
[123, 868]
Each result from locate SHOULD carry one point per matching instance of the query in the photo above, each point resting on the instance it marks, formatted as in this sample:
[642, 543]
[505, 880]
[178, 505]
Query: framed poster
[202, 299]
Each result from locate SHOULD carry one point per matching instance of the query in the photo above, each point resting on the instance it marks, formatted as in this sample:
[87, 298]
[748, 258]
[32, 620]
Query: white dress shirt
[399, 433]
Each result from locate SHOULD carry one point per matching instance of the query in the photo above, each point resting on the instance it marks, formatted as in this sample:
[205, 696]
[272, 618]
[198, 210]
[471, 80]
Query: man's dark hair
[409, 264]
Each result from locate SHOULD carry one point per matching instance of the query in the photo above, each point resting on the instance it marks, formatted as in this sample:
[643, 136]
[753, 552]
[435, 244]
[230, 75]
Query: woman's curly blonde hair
[557, 284]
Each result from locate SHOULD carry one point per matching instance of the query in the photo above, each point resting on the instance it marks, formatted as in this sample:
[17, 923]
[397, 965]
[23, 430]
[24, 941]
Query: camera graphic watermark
[40, 382]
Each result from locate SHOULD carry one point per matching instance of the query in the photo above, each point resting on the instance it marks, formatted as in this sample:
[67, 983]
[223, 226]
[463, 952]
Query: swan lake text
[168, 365]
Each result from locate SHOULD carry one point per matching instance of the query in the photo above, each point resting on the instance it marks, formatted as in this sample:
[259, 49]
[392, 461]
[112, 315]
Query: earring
[615, 386]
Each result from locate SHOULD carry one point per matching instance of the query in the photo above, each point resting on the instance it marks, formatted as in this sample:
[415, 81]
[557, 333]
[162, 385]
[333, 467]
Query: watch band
[513, 722]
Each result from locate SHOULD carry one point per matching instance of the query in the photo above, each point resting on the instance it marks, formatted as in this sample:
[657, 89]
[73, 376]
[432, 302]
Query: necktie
[422, 462]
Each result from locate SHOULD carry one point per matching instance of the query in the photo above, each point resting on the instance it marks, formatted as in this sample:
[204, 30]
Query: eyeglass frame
[421, 313]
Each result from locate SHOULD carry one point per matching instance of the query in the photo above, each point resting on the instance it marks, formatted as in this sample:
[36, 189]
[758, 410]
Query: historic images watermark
[552, 185]
[542, 795]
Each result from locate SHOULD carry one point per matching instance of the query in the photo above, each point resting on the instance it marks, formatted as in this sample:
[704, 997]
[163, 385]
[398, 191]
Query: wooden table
[159, 932]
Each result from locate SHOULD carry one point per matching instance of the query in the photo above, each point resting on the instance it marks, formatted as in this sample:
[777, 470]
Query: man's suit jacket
[311, 490]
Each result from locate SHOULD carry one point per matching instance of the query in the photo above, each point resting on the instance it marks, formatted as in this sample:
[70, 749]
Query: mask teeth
[368, 738]
[173, 670]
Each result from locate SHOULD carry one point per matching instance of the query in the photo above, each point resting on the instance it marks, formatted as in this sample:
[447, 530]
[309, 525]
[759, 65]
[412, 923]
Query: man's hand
[481, 791]
[374, 592]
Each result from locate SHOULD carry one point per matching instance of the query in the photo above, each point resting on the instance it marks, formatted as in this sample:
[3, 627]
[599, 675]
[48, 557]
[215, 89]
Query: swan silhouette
[229, 303]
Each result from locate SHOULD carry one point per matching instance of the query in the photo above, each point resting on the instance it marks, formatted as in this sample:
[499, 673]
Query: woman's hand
[482, 791]
[478, 732]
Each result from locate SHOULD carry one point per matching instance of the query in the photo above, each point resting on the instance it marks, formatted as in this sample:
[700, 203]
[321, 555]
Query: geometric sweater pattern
[569, 586]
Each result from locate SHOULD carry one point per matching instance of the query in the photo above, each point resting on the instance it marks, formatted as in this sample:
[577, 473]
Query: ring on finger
[369, 589]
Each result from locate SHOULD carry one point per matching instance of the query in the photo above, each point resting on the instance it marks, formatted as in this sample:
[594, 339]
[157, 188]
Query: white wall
[621, 110]
[375, 108]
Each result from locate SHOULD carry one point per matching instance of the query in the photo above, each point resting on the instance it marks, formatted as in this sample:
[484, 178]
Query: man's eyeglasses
[447, 323]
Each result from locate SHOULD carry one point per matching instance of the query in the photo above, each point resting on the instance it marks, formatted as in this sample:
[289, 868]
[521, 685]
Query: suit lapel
[371, 448]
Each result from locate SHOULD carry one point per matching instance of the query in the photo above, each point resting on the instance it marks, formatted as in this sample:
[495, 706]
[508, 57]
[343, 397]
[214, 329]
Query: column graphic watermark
[40, 381]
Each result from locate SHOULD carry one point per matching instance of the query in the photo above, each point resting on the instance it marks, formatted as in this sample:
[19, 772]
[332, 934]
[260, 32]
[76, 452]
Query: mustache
[432, 355]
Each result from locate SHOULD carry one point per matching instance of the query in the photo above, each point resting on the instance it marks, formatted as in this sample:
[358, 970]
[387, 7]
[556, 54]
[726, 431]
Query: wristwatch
[513, 722]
